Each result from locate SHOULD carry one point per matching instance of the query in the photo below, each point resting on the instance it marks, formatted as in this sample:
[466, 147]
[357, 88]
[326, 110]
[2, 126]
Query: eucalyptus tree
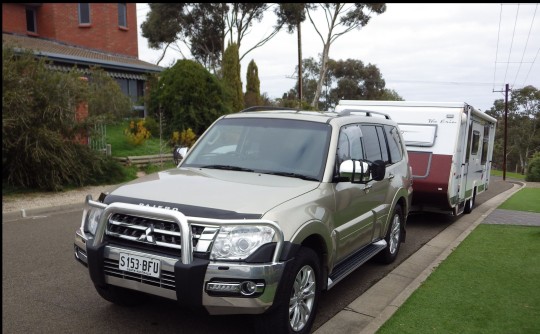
[204, 28]
[292, 15]
[523, 128]
[340, 19]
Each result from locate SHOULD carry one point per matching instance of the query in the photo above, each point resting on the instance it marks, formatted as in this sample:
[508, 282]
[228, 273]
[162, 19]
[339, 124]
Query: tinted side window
[382, 143]
[350, 143]
[394, 143]
[373, 147]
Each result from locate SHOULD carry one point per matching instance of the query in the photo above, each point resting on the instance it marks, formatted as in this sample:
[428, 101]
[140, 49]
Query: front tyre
[296, 302]
[393, 237]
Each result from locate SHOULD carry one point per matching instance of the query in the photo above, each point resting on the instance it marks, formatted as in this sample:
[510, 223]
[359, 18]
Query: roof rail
[369, 113]
[259, 108]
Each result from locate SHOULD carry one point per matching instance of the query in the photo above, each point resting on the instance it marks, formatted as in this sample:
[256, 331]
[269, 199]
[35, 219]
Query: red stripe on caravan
[431, 173]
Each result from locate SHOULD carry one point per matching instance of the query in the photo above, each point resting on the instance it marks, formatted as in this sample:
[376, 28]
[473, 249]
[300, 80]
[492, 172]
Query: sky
[425, 52]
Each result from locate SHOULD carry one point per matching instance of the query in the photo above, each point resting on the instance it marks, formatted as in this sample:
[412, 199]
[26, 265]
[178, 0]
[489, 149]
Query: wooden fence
[144, 160]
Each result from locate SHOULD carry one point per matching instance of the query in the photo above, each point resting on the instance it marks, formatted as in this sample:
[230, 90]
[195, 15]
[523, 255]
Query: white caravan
[450, 145]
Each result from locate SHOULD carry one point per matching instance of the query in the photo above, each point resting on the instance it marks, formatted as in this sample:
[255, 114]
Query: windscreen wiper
[228, 167]
[298, 176]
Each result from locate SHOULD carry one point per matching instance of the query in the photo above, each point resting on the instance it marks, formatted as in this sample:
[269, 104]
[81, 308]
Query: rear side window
[394, 143]
[374, 145]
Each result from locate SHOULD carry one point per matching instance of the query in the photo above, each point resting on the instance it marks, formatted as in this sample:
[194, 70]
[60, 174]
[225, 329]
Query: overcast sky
[425, 52]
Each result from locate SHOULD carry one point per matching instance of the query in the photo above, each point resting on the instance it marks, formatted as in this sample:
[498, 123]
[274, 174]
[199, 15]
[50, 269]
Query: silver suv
[268, 209]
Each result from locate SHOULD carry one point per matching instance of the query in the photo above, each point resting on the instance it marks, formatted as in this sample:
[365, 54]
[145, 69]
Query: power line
[497, 50]
[511, 43]
[524, 81]
[526, 43]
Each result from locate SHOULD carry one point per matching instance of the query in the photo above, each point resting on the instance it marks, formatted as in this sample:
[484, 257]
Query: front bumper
[192, 282]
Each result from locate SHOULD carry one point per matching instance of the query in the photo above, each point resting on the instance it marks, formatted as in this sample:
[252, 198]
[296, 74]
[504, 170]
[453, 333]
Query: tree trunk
[299, 66]
[322, 74]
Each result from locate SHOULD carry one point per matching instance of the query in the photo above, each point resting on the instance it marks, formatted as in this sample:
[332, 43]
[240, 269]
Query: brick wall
[60, 21]
[13, 18]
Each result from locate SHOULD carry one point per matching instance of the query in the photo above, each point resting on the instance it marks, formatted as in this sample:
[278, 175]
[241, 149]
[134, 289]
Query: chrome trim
[270, 273]
[184, 224]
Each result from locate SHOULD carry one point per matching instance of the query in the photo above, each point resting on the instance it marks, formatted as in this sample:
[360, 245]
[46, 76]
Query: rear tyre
[296, 301]
[393, 237]
[469, 205]
[120, 296]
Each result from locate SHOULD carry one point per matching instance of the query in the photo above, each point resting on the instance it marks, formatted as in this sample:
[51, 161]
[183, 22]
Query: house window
[134, 89]
[122, 15]
[31, 25]
[84, 13]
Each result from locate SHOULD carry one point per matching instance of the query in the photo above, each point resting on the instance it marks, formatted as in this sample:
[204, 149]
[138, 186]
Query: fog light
[223, 287]
[249, 288]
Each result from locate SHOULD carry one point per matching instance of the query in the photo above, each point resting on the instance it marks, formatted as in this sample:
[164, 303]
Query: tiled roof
[62, 52]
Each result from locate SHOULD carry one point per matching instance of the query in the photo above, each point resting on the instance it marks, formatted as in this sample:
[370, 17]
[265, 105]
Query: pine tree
[231, 76]
[253, 86]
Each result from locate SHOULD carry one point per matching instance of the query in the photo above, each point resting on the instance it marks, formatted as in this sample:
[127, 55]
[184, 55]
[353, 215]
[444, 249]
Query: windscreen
[264, 145]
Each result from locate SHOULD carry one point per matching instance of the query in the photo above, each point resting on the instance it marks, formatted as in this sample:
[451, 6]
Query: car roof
[344, 117]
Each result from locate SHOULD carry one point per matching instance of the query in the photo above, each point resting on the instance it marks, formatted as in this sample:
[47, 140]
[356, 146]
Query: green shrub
[190, 97]
[41, 147]
[152, 125]
[533, 172]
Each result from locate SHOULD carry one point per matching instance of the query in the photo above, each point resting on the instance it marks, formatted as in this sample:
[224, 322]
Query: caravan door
[475, 170]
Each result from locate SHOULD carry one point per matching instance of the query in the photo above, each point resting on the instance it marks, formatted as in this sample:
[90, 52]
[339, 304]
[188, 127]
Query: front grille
[158, 233]
[166, 281]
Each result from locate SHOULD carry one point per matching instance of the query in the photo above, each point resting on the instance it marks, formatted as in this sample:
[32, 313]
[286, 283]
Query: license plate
[139, 264]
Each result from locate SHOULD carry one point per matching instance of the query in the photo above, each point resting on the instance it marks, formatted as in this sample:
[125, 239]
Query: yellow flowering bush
[185, 138]
[137, 133]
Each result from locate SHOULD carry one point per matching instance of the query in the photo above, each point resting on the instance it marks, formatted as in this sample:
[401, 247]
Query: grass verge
[526, 199]
[508, 174]
[489, 284]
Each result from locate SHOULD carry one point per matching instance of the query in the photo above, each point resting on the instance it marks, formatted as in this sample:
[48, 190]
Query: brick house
[82, 35]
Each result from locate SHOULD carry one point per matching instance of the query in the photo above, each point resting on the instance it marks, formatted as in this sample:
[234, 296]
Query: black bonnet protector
[187, 210]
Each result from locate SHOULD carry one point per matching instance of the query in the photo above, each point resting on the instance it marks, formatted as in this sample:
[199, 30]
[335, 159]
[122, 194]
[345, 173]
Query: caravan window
[485, 144]
[475, 142]
[422, 135]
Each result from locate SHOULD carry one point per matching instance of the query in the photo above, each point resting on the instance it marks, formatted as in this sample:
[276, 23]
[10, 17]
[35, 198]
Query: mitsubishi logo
[148, 235]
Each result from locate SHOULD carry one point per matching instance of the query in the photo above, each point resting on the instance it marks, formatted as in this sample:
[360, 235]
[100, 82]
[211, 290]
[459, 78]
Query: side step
[356, 260]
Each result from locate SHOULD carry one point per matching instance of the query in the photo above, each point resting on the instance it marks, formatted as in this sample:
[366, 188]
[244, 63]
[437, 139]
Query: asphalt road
[44, 290]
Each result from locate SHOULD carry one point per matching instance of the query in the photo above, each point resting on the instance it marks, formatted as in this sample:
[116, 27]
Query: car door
[355, 202]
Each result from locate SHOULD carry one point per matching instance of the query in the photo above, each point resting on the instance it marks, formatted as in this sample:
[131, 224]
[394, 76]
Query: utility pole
[505, 127]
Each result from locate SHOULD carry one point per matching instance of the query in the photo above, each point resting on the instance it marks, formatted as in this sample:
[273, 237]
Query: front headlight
[237, 242]
[91, 219]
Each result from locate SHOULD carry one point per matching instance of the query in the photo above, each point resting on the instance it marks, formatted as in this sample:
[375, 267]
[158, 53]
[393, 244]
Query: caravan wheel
[469, 205]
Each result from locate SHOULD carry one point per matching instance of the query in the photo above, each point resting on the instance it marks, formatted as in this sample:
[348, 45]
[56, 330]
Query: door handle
[391, 176]
[367, 187]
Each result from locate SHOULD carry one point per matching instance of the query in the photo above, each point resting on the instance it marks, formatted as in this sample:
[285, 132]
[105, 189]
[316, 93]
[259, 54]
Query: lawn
[527, 199]
[508, 174]
[121, 147]
[489, 284]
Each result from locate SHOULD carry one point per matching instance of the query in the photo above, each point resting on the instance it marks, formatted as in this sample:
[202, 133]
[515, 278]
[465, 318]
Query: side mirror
[354, 171]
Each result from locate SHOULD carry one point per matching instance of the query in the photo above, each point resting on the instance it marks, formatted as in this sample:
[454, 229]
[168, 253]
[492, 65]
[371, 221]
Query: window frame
[81, 8]
[122, 15]
[31, 11]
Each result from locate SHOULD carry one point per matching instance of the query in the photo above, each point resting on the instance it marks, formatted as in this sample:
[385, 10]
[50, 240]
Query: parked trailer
[450, 147]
